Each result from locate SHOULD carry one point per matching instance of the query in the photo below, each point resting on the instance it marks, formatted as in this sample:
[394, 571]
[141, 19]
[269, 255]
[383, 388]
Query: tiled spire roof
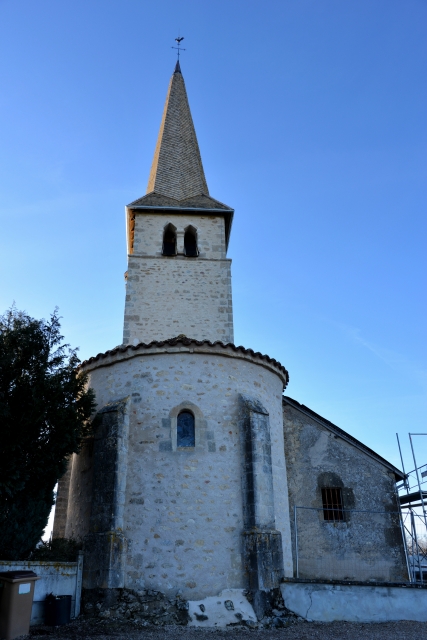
[177, 170]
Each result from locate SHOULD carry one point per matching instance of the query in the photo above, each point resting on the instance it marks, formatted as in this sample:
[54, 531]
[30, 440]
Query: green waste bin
[16, 601]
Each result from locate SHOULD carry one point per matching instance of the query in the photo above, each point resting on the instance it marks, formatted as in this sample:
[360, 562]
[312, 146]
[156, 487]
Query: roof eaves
[182, 208]
[188, 342]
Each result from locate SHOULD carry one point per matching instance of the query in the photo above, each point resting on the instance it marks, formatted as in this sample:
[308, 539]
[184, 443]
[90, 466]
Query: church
[201, 475]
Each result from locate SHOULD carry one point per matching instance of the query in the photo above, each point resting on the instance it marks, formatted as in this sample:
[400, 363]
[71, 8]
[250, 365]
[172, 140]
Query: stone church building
[201, 475]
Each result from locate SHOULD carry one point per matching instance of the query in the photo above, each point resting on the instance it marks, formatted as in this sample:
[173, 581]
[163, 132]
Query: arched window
[169, 241]
[190, 242]
[185, 433]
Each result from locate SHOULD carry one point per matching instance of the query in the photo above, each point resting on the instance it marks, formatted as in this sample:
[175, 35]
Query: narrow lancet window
[169, 241]
[190, 242]
[185, 432]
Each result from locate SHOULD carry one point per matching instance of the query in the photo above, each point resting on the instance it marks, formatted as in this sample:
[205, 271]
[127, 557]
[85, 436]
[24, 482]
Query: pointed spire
[177, 170]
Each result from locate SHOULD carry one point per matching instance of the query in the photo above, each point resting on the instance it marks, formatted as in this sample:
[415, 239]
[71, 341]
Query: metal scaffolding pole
[418, 475]
[409, 503]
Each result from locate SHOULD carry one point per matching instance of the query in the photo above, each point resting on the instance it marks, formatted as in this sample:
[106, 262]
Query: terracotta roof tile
[188, 342]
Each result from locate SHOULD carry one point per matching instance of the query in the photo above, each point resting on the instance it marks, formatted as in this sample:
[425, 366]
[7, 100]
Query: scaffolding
[412, 495]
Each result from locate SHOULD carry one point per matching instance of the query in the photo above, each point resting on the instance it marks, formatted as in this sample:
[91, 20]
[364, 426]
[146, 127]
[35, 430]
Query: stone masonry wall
[169, 296]
[80, 493]
[61, 503]
[364, 546]
[183, 517]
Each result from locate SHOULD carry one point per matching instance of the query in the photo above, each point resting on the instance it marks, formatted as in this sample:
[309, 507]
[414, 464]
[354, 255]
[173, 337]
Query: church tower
[180, 495]
[178, 279]
[183, 486]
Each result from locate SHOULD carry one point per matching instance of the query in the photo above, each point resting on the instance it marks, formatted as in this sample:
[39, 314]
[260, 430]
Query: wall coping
[356, 583]
[39, 563]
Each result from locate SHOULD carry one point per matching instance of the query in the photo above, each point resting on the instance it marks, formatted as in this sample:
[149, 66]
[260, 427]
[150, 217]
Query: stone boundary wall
[326, 602]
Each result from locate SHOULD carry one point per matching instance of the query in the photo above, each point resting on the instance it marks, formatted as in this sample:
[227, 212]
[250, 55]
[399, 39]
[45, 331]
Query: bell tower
[179, 276]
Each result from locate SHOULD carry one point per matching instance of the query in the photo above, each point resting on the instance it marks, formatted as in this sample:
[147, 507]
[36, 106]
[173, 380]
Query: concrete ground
[299, 630]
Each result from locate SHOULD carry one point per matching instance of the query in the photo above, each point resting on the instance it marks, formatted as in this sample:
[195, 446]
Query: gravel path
[299, 630]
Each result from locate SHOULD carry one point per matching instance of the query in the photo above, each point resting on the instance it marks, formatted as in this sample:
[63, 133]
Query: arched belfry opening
[190, 242]
[169, 240]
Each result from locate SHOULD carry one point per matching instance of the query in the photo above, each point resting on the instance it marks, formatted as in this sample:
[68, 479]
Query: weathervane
[179, 39]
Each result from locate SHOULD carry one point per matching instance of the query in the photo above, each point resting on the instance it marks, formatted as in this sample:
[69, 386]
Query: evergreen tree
[44, 416]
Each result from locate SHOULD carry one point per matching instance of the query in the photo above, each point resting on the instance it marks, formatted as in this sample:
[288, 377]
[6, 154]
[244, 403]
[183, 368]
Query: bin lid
[18, 576]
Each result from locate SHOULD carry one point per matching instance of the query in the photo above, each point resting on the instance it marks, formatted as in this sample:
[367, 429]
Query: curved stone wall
[179, 510]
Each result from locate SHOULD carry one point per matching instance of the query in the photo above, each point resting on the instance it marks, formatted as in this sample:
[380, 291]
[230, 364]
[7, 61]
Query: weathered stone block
[263, 559]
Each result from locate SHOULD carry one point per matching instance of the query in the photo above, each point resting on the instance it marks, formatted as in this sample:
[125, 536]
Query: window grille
[185, 432]
[333, 510]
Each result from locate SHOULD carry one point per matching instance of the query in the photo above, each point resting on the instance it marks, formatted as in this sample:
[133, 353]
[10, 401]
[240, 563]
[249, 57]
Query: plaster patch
[319, 450]
[230, 606]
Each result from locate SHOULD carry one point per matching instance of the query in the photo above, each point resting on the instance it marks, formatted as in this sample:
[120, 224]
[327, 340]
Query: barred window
[333, 510]
[185, 432]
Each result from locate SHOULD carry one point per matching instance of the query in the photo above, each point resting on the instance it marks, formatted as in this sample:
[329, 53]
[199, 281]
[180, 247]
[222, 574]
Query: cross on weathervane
[179, 39]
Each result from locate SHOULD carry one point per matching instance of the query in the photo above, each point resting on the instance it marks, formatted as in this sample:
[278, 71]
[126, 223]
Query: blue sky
[311, 119]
